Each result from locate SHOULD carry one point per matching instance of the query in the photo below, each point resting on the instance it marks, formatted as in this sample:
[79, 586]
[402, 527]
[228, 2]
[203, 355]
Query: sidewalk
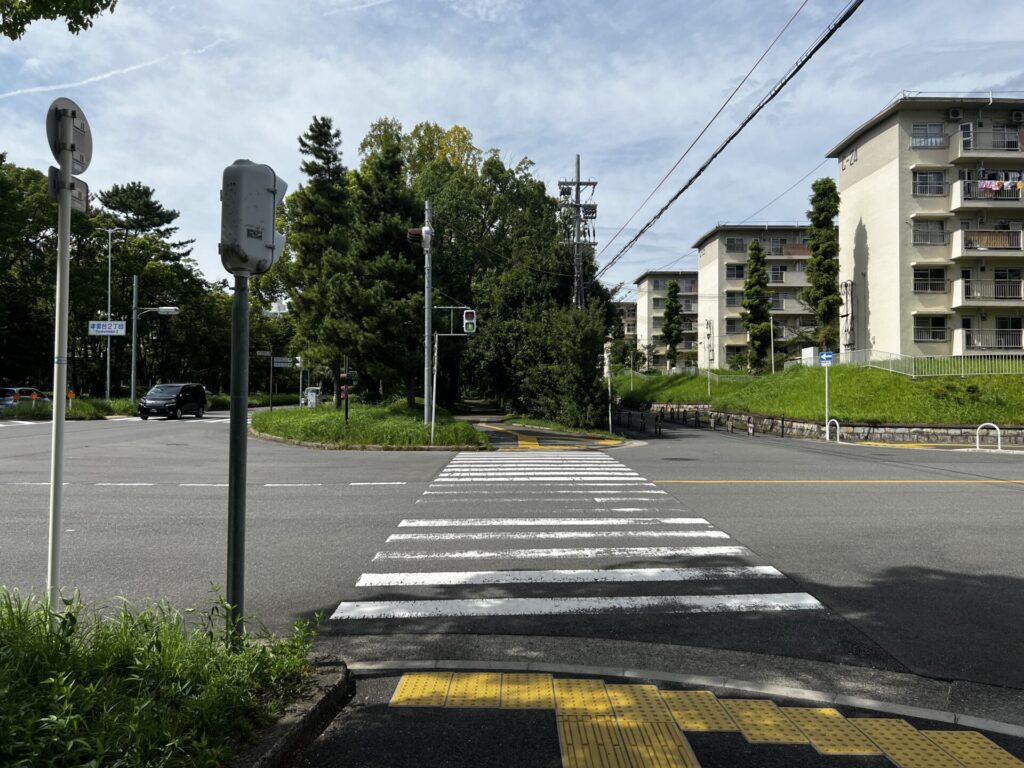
[526, 701]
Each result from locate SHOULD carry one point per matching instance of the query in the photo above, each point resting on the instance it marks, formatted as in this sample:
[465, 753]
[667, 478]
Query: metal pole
[773, 344]
[428, 290]
[271, 378]
[135, 323]
[109, 231]
[608, 358]
[348, 388]
[826, 400]
[60, 362]
[433, 403]
[237, 455]
[578, 253]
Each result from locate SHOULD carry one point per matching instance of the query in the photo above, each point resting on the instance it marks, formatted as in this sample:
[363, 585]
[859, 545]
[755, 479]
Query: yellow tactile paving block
[656, 745]
[903, 744]
[829, 732]
[474, 689]
[582, 697]
[591, 742]
[698, 711]
[527, 690]
[422, 689]
[638, 703]
[973, 749]
[761, 722]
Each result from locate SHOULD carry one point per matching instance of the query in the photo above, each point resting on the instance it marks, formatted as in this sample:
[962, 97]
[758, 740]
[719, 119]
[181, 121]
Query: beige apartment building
[651, 291]
[930, 226]
[627, 315]
[722, 271]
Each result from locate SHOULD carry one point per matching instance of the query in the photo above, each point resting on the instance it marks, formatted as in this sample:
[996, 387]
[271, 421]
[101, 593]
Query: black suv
[173, 400]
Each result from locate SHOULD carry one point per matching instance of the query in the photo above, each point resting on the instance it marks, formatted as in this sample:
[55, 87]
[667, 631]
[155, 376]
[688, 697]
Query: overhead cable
[815, 47]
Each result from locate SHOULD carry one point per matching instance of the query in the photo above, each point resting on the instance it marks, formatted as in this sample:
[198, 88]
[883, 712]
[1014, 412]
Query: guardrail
[828, 430]
[977, 436]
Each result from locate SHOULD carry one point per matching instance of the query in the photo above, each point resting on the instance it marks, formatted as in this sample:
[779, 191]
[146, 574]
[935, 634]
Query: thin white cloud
[112, 73]
[357, 6]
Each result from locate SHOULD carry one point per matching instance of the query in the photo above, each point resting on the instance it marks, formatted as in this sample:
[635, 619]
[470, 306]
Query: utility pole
[582, 229]
[428, 289]
[109, 233]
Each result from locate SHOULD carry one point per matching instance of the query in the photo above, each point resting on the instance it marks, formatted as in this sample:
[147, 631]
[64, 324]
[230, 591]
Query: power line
[705, 128]
[801, 62]
[788, 190]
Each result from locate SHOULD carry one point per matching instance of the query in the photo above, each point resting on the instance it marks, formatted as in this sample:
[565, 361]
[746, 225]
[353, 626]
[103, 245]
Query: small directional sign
[79, 190]
[107, 327]
[262, 353]
[825, 358]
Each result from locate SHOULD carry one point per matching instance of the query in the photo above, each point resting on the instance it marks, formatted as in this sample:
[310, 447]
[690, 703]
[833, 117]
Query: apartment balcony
[968, 341]
[987, 196]
[987, 293]
[977, 243]
[789, 307]
[985, 145]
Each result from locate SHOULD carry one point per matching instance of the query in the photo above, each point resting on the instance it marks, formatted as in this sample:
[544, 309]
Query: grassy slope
[855, 395]
[393, 425]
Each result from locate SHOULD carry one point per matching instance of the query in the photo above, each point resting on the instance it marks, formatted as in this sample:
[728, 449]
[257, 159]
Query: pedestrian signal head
[469, 321]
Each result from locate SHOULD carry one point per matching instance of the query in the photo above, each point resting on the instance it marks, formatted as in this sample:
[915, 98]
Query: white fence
[935, 365]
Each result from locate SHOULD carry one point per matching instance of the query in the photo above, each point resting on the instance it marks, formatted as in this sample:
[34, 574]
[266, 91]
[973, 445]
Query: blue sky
[174, 92]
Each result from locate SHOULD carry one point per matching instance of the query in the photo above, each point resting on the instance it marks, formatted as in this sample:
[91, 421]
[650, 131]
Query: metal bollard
[750, 427]
[730, 426]
[711, 421]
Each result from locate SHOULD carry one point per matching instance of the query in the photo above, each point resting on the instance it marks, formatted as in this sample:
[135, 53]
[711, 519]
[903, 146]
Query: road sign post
[249, 245]
[825, 358]
[67, 132]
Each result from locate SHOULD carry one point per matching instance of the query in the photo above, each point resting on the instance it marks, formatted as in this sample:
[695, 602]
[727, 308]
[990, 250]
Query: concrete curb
[372, 668]
[304, 719]
[340, 447]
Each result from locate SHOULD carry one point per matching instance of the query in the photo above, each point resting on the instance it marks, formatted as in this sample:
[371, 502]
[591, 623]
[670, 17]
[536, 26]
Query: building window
[776, 245]
[629, 329]
[929, 183]
[778, 301]
[930, 280]
[657, 285]
[930, 328]
[735, 245]
[800, 266]
[657, 303]
[656, 322]
[929, 232]
[735, 271]
[688, 305]
[777, 273]
[688, 285]
[733, 325]
[927, 136]
[734, 298]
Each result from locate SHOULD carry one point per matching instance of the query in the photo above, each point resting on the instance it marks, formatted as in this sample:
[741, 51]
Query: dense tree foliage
[757, 309]
[822, 293]
[16, 15]
[672, 323]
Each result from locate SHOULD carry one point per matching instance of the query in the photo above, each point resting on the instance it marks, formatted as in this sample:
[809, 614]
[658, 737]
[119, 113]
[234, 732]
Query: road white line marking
[28, 483]
[527, 535]
[570, 576]
[292, 485]
[130, 485]
[202, 485]
[537, 479]
[514, 521]
[577, 552]
[540, 606]
[476, 492]
[392, 483]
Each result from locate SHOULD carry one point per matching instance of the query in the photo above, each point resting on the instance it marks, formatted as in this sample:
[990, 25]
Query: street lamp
[136, 312]
[110, 232]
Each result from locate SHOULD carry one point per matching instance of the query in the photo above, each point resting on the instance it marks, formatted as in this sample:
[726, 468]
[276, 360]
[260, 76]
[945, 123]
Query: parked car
[11, 396]
[173, 401]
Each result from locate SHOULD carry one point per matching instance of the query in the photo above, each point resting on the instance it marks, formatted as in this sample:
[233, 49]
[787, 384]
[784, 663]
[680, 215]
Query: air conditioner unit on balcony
[1017, 117]
[955, 114]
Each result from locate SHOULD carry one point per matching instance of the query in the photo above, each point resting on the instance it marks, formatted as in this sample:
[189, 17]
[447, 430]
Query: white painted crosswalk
[572, 533]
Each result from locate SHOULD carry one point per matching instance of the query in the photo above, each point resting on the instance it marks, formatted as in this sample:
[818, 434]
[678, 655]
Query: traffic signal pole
[238, 454]
[428, 290]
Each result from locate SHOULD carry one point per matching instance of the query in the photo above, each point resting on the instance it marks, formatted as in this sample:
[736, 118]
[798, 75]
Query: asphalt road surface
[881, 557]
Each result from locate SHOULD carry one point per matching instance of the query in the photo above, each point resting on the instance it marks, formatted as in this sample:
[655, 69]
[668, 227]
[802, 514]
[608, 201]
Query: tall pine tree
[672, 323]
[822, 293]
[757, 309]
[317, 220]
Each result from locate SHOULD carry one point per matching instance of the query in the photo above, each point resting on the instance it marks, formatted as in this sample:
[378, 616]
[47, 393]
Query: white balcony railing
[991, 239]
[1003, 140]
[991, 190]
[966, 340]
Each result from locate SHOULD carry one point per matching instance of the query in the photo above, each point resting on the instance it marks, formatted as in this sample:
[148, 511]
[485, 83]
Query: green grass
[88, 408]
[856, 395]
[135, 687]
[529, 421]
[392, 426]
